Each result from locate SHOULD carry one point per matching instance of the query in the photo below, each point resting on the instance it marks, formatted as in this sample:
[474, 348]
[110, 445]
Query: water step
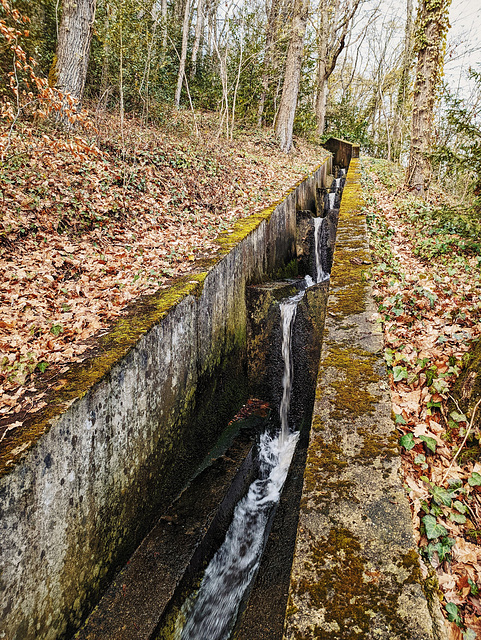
[355, 572]
[190, 531]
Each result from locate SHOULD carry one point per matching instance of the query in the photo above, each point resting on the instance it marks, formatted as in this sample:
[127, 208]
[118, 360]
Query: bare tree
[432, 28]
[335, 20]
[183, 53]
[73, 46]
[403, 93]
[199, 25]
[271, 33]
[292, 77]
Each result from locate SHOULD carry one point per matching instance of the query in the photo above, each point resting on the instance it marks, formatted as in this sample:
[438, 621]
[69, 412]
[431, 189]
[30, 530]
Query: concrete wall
[83, 481]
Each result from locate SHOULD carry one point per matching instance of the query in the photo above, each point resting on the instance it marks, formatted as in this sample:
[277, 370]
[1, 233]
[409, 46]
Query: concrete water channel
[114, 500]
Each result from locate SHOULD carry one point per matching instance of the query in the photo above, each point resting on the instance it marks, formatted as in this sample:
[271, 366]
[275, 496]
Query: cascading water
[318, 228]
[211, 612]
[288, 310]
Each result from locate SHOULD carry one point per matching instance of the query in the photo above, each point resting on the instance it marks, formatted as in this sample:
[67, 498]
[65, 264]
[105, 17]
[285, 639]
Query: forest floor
[427, 275]
[86, 228]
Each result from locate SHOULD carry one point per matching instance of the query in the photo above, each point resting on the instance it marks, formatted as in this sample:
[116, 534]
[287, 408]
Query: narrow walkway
[355, 571]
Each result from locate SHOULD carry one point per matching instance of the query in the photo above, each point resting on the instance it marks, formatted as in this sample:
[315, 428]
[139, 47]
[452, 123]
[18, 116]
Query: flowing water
[211, 612]
[318, 229]
[332, 200]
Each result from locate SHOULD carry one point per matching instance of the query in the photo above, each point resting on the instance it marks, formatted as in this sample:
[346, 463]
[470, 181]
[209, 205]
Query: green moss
[410, 562]
[376, 447]
[356, 367]
[351, 593]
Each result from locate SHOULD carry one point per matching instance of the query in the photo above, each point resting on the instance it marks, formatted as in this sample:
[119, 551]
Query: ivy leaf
[42, 366]
[407, 441]
[430, 442]
[440, 385]
[399, 419]
[399, 373]
[459, 506]
[457, 517]
[441, 495]
[453, 613]
[433, 529]
[474, 480]
[474, 587]
[458, 417]
[56, 329]
[469, 634]
[443, 548]
[420, 459]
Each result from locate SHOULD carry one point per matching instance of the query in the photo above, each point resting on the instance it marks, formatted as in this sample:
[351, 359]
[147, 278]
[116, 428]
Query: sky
[464, 42]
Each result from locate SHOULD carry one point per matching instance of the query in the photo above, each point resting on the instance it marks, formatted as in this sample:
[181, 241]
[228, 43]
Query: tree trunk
[198, 33]
[271, 32]
[432, 28]
[321, 106]
[183, 55]
[290, 89]
[73, 47]
[332, 32]
[403, 92]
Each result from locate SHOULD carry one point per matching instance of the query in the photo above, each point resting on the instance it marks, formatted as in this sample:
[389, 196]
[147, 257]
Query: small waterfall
[288, 315]
[337, 183]
[332, 200]
[343, 173]
[210, 614]
[318, 229]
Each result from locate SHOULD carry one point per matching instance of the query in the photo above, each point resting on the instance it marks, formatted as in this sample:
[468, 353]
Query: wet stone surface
[355, 572]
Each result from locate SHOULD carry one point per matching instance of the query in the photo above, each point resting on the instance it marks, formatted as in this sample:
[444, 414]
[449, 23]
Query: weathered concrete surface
[185, 537]
[342, 151]
[355, 573]
[83, 481]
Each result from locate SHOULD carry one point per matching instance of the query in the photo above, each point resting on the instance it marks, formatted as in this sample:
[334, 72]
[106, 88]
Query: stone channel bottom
[355, 572]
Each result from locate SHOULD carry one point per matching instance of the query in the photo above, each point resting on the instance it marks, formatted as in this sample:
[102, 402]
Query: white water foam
[210, 613]
[332, 200]
[288, 310]
[318, 224]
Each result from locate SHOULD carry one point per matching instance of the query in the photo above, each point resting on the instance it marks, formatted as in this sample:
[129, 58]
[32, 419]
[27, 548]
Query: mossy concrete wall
[355, 572]
[82, 481]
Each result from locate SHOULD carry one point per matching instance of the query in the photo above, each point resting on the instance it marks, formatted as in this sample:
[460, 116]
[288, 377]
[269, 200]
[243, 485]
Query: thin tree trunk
[321, 101]
[183, 54]
[331, 42]
[433, 25]
[290, 89]
[402, 97]
[73, 47]
[198, 34]
[271, 32]
[164, 28]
